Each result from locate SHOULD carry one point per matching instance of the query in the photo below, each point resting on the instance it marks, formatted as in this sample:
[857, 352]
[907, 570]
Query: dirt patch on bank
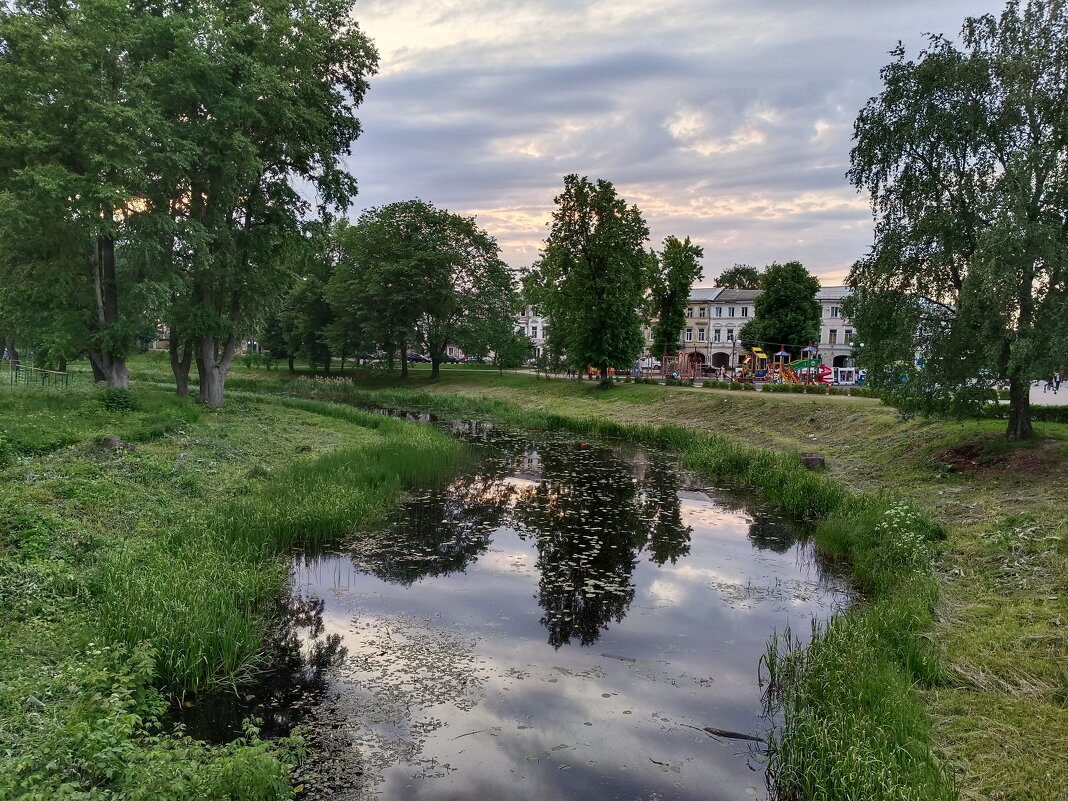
[989, 462]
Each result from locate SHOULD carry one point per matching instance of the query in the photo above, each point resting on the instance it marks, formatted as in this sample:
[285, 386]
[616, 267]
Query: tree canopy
[412, 273]
[786, 312]
[676, 268]
[149, 156]
[592, 275]
[740, 276]
[965, 157]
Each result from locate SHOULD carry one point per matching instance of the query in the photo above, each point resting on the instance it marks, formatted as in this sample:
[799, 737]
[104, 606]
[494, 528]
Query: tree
[413, 273]
[786, 312]
[592, 275]
[267, 99]
[82, 138]
[677, 267]
[511, 350]
[965, 157]
[740, 276]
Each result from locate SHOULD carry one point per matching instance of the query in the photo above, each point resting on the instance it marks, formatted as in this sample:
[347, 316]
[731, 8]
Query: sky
[728, 122]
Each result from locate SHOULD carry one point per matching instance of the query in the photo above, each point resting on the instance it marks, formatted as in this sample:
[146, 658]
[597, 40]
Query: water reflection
[560, 622]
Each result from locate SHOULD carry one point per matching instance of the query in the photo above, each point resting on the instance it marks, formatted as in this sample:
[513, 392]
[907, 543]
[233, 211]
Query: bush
[119, 400]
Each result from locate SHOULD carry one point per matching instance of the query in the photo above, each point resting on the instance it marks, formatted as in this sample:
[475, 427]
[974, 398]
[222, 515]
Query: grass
[137, 569]
[949, 680]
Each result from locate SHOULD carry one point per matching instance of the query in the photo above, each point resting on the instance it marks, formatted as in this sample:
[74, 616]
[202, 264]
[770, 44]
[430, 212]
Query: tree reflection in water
[590, 510]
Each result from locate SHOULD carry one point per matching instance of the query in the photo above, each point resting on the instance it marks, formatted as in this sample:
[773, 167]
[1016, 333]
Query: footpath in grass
[993, 691]
[142, 557]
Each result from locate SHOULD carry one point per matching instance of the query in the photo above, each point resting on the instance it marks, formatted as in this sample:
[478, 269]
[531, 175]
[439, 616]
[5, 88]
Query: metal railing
[35, 376]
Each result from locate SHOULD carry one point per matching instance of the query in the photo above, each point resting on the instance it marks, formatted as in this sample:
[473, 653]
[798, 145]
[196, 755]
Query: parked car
[417, 357]
[649, 363]
[445, 357]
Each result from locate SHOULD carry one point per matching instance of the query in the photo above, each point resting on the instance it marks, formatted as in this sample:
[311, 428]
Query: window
[849, 336]
[701, 312]
[745, 311]
[832, 336]
[689, 311]
[719, 311]
[700, 335]
[834, 311]
[689, 335]
[534, 332]
[730, 335]
[730, 311]
[715, 334]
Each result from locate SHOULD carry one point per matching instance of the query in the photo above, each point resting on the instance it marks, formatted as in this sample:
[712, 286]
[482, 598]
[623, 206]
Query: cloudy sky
[729, 122]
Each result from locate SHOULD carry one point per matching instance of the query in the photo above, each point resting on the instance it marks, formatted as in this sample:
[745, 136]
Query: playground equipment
[812, 371]
[684, 367]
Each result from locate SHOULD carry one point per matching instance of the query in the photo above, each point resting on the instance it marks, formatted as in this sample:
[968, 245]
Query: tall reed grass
[203, 594]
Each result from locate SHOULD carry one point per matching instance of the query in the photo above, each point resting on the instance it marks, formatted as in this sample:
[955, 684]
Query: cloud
[728, 124]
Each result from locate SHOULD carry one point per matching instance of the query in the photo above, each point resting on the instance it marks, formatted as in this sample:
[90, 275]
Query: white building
[534, 327]
[715, 316]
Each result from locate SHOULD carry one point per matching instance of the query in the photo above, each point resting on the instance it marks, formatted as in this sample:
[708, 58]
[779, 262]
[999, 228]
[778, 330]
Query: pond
[566, 619]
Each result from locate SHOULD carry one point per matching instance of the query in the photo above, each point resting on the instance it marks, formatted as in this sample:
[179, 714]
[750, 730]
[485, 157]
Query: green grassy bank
[951, 676]
[148, 566]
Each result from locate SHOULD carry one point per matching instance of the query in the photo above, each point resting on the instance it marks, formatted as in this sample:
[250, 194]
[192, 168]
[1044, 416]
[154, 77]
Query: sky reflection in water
[560, 622]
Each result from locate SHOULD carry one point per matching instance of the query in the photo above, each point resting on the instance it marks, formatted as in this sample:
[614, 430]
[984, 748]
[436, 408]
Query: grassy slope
[125, 570]
[1002, 716]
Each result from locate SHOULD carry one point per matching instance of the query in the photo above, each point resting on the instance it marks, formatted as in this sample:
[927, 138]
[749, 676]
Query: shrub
[119, 400]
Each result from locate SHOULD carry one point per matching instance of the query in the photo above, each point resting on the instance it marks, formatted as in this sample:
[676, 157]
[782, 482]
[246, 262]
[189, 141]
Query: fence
[35, 376]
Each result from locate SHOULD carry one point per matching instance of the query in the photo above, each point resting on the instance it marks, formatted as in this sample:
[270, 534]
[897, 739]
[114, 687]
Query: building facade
[715, 316]
[535, 327]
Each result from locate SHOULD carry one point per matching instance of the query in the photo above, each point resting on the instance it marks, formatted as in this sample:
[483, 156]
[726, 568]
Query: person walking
[1056, 381]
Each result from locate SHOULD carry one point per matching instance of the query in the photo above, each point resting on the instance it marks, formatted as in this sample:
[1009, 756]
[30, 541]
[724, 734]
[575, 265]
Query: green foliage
[412, 273]
[125, 574]
[786, 312]
[592, 275]
[958, 154]
[740, 276]
[119, 400]
[677, 267]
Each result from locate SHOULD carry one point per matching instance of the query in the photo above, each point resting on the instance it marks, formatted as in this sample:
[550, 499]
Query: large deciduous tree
[82, 139]
[267, 99]
[592, 275]
[786, 312]
[965, 157]
[415, 274]
[740, 276]
[677, 267]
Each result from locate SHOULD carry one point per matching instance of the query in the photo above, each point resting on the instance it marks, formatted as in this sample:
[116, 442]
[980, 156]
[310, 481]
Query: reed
[204, 592]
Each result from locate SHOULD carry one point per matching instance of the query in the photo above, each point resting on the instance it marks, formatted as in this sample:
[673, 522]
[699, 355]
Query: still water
[561, 621]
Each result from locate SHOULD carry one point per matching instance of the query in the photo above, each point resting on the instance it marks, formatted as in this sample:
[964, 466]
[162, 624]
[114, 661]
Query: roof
[704, 293]
[737, 295]
[833, 293]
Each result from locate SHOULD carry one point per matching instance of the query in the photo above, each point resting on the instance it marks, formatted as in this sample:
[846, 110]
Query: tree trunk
[212, 370]
[12, 353]
[1019, 409]
[292, 365]
[61, 365]
[98, 374]
[435, 367]
[604, 372]
[328, 358]
[404, 360]
[111, 369]
[180, 364]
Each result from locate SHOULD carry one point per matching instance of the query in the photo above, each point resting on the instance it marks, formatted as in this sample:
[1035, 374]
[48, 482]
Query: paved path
[1049, 398]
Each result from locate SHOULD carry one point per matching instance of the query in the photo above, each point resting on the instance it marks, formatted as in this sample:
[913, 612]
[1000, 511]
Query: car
[417, 357]
[649, 363]
[450, 359]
